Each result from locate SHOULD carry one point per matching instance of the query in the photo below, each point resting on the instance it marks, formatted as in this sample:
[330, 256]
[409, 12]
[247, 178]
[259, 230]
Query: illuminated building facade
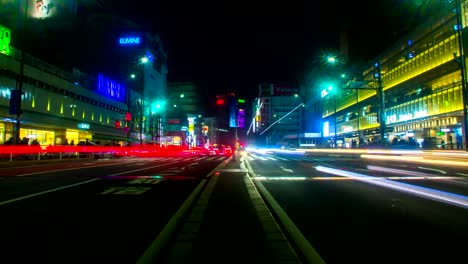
[422, 84]
[183, 101]
[56, 109]
[276, 116]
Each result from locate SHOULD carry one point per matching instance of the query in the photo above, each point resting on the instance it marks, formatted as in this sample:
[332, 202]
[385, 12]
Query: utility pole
[335, 136]
[19, 93]
[382, 115]
[141, 120]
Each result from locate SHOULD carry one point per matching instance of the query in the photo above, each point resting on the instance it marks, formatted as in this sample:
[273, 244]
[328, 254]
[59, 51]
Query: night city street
[233, 132]
[123, 204]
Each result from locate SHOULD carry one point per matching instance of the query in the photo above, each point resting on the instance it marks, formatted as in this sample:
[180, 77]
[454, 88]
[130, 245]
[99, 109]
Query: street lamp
[331, 59]
[144, 60]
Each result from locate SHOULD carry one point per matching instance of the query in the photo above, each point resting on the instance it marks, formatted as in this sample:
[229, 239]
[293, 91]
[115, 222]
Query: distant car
[227, 151]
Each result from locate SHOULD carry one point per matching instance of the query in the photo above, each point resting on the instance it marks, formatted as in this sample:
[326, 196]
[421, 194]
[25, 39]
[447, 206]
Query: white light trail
[416, 159]
[431, 169]
[398, 171]
[436, 195]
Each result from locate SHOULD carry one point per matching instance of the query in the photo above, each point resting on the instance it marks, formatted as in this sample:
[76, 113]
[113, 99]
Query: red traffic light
[220, 102]
[128, 116]
[117, 124]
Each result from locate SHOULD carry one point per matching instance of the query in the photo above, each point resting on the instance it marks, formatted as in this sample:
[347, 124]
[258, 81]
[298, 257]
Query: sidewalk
[229, 223]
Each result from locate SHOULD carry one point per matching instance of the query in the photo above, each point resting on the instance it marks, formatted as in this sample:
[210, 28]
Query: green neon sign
[5, 37]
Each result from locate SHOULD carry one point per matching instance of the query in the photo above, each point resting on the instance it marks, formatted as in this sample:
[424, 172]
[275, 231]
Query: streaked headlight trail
[436, 195]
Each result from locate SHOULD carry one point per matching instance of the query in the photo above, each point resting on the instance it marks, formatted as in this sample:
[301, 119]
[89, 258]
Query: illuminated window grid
[423, 62]
[433, 57]
[446, 101]
[365, 122]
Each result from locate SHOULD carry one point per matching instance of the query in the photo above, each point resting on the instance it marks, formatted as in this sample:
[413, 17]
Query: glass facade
[423, 93]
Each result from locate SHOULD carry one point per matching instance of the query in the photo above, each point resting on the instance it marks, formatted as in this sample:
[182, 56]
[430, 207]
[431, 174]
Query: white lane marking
[285, 169]
[44, 192]
[282, 158]
[431, 169]
[270, 158]
[462, 174]
[74, 168]
[75, 184]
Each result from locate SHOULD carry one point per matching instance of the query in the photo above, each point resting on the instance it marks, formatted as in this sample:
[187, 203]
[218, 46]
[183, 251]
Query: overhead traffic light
[117, 124]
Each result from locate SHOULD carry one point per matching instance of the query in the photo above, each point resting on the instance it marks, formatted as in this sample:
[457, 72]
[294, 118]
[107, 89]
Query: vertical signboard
[232, 113]
[5, 37]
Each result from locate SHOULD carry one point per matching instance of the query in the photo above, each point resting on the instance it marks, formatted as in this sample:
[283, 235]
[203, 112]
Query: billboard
[43, 9]
[5, 38]
[12, 11]
[241, 118]
[130, 40]
[284, 90]
[110, 88]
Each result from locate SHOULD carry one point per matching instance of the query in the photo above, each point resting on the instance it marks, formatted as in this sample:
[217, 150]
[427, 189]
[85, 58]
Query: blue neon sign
[110, 88]
[130, 41]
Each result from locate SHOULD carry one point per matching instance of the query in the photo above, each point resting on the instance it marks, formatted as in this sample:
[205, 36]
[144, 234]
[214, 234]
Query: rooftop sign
[130, 41]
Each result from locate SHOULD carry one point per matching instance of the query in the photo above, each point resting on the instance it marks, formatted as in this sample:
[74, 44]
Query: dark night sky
[228, 45]
[225, 45]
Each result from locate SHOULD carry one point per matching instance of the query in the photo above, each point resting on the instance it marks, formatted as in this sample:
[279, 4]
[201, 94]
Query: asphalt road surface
[346, 207]
[349, 218]
[104, 211]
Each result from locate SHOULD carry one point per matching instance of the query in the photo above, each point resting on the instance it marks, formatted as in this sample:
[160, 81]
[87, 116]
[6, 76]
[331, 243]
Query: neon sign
[129, 41]
[83, 126]
[407, 116]
[110, 88]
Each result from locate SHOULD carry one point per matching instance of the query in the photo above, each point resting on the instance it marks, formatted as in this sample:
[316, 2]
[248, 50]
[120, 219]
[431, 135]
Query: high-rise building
[422, 85]
[277, 117]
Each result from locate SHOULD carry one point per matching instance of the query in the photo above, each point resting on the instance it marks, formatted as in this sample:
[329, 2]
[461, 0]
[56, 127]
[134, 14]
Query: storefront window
[44, 137]
[72, 137]
[2, 133]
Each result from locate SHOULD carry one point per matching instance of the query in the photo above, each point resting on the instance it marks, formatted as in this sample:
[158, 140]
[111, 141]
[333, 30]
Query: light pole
[138, 101]
[381, 94]
[19, 93]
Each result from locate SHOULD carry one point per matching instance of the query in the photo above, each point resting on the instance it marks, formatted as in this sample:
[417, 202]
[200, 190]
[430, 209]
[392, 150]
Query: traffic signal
[117, 124]
[15, 103]
[219, 101]
[128, 116]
